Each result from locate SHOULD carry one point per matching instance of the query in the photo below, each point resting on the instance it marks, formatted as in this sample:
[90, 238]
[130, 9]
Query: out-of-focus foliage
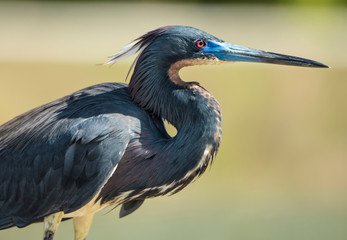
[273, 2]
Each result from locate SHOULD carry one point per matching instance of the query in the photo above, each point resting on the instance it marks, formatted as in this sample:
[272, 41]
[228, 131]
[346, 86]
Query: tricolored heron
[107, 144]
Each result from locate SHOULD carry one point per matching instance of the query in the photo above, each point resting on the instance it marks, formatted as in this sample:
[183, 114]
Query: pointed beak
[230, 52]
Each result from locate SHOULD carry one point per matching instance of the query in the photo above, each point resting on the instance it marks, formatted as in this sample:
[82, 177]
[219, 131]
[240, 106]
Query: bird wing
[57, 157]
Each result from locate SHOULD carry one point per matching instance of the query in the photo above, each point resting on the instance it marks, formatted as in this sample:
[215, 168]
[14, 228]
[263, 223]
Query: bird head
[183, 45]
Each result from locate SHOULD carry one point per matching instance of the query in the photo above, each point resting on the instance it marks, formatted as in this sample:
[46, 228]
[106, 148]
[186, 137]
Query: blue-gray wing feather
[58, 156]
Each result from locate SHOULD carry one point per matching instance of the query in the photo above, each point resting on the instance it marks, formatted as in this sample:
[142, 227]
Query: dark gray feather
[130, 207]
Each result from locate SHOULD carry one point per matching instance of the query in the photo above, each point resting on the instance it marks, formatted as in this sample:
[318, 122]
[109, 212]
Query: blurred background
[281, 168]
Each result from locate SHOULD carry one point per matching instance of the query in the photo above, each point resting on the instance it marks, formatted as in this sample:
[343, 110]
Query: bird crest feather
[136, 46]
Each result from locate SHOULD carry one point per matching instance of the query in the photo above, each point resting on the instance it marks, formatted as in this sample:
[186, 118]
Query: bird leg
[82, 225]
[51, 224]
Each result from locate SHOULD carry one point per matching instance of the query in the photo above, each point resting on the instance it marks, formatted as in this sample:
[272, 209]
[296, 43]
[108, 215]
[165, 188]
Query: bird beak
[230, 52]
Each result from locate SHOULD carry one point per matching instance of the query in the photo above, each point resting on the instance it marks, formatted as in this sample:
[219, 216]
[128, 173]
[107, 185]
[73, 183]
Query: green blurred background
[281, 169]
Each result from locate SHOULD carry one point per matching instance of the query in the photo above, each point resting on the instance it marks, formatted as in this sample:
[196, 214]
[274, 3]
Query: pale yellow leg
[82, 225]
[51, 224]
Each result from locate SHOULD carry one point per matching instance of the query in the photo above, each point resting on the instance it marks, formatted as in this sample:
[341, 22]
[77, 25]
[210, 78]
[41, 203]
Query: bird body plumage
[87, 125]
[107, 144]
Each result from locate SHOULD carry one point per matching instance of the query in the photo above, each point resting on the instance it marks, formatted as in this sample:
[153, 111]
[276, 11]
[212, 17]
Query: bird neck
[159, 90]
[193, 111]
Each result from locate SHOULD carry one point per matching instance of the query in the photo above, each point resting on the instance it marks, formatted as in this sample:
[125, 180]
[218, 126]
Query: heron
[107, 145]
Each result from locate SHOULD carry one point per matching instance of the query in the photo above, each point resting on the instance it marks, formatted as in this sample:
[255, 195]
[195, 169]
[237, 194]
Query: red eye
[200, 43]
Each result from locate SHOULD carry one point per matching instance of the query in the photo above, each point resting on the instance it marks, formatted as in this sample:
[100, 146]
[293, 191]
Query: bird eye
[200, 43]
